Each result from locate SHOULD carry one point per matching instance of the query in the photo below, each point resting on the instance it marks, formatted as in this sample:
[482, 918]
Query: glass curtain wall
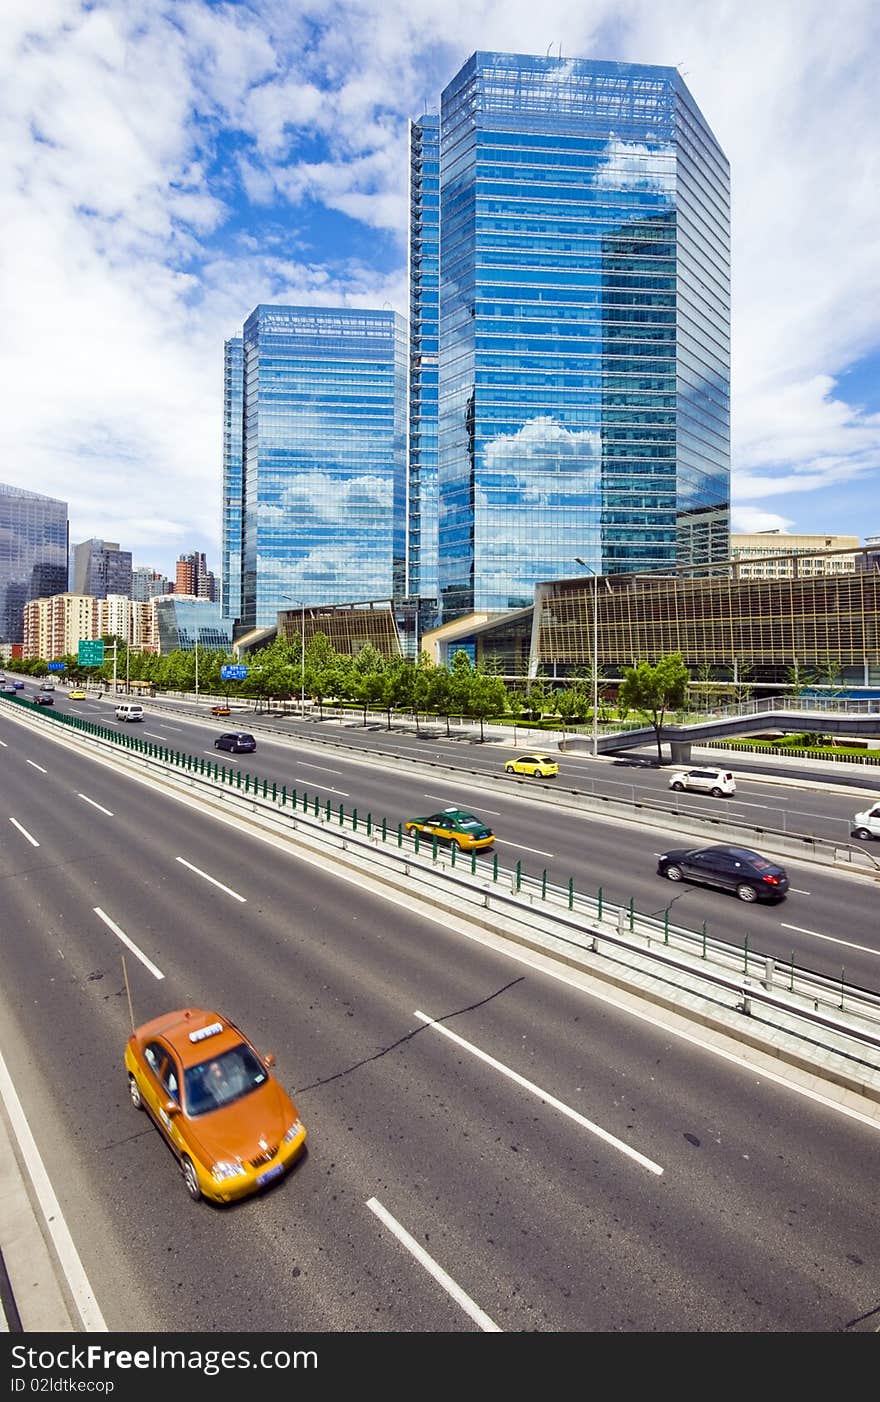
[325, 408]
[33, 554]
[230, 526]
[424, 306]
[583, 325]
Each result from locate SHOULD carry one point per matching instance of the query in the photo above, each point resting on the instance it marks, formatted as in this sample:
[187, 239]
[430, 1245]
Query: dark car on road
[236, 741]
[44, 698]
[747, 874]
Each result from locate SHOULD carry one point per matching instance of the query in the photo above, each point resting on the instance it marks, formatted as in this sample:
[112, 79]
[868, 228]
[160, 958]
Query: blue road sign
[57, 666]
[233, 674]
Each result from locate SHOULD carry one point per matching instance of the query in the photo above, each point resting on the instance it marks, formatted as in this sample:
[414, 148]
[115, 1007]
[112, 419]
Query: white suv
[127, 710]
[720, 783]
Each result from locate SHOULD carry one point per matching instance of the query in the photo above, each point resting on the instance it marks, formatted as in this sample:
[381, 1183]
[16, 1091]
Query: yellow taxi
[540, 766]
[230, 1124]
[453, 825]
[76, 695]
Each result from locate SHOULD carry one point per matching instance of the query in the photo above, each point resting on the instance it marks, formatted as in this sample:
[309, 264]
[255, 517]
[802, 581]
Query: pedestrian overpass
[788, 714]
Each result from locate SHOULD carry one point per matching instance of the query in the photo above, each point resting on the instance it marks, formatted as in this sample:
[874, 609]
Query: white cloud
[118, 281]
[751, 518]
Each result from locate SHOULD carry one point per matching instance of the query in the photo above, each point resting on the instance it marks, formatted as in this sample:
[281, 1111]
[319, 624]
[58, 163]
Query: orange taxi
[214, 1098]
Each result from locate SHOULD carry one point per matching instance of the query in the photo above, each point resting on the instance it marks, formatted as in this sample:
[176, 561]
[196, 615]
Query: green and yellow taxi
[540, 766]
[453, 825]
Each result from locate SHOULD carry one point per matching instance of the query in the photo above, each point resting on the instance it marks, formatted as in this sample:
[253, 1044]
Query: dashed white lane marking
[522, 848]
[302, 765]
[4, 744]
[24, 832]
[797, 891]
[129, 944]
[34, 765]
[542, 1095]
[154, 735]
[86, 799]
[436, 799]
[77, 1280]
[213, 880]
[817, 934]
[471, 1309]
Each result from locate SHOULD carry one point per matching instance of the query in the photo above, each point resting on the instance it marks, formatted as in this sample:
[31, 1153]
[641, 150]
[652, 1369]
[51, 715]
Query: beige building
[776, 555]
[54, 627]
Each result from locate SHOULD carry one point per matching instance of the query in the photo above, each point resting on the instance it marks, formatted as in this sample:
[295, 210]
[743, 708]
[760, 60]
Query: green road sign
[90, 652]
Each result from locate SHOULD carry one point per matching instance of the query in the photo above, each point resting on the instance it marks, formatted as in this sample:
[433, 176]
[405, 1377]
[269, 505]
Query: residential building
[33, 555]
[101, 568]
[194, 577]
[324, 458]
[55, 626]
[233, 495]
[184, 623]
[584, 331]
[146, 583]
[778, 555]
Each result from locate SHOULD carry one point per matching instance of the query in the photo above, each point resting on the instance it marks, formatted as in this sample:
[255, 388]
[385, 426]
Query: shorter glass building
[324, 458]
[101, 568]
[33, 555]
[182, 622]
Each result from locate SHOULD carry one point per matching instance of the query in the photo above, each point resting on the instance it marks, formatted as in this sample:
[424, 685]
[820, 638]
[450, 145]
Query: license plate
[270, 1174]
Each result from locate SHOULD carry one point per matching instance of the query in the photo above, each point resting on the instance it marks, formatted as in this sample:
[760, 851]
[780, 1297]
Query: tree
[798, 678]
[655, 688]
[484, 696]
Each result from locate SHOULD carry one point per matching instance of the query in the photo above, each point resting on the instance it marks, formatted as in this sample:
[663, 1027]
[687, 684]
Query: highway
[570, 1167]
[829, 921]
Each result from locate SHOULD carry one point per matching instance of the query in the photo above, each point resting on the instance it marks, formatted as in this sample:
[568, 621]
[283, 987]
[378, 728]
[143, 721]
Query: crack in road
[408, 1036]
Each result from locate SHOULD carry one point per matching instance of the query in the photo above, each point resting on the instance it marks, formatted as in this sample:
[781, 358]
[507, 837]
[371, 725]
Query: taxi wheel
[190, 1178]
[508, 769]
[134, 1092]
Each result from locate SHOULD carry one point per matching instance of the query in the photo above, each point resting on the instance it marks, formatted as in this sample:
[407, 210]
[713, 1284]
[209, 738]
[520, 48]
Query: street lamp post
[590, 570]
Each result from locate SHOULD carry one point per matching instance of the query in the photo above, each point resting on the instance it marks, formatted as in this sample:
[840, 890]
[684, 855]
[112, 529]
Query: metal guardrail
[585, 924]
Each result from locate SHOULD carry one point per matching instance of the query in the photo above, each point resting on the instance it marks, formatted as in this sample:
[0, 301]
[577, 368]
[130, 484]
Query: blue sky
[167, 165]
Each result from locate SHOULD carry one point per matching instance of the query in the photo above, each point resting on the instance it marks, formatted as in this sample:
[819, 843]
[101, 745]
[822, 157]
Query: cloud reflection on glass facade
[584, 326]
[424, 311]
[33, 554]
[324, 458]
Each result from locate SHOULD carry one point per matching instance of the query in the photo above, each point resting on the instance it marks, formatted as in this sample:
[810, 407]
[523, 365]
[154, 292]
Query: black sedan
[44, 698]
[237, 742]
[747, 874]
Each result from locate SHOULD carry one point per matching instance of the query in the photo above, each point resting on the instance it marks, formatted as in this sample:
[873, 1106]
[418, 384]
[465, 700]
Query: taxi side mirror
[172, 1108]
[269, 1060]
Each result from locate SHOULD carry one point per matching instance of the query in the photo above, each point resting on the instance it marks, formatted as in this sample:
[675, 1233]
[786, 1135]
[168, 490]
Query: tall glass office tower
[584, 327]
[230, 525]
[424, 313]
[33, 554]
[324, 458]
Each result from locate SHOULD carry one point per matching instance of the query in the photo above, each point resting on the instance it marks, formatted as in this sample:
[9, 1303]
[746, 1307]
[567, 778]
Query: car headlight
[295, 1129]
[222, 1171]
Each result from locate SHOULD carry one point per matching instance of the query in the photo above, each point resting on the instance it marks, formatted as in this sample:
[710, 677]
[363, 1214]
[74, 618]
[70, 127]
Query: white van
[867, 824]
[129, 710]
[720, 783]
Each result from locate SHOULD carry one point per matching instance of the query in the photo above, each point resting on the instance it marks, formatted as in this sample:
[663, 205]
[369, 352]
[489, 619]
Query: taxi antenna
[128, 992]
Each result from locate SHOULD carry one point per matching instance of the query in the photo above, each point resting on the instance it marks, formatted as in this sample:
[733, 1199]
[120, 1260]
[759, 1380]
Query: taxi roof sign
[210, 1031]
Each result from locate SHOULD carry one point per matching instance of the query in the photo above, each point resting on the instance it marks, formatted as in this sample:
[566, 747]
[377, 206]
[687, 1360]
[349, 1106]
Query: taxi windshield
[222, 1079]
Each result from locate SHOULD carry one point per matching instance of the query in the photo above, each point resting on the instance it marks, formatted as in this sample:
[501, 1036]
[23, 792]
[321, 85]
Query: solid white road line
[86, 799]
[543, 1095]
[80, 1289]
[862, 948]
[24, 832]
[471, 1309]
[129, 944]
[34, 765]
[234, 894]
[435, 799]
[520, 847]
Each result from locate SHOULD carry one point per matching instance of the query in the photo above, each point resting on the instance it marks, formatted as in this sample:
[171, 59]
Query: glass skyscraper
[183, 623]
[230, 526]
[584, 327]
[324, 458]
[101, 568]
[33, 555]
[424, 314]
